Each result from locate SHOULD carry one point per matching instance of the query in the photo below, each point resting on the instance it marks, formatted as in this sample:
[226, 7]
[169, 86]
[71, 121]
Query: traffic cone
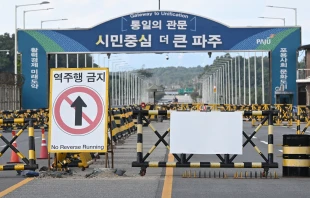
[14, 156]
[43, 151]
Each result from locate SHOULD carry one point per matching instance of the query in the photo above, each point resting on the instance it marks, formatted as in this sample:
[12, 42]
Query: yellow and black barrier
[113, 127]
[118, 117]
[40, 116]
[65, 160]
[304, 113]
[285, 117]
[258, 107]
[183, 160]
[125, 119]
[298, 122]
[296, 156]
[30, 162]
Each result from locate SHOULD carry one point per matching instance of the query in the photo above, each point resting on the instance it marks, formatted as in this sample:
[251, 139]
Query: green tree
[7, 61]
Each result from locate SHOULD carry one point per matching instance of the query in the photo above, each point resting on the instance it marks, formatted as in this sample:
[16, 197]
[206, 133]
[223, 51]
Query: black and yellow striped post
[32, 150]
[270, 137]
[298, 121]
[296, 156]
[139, 139]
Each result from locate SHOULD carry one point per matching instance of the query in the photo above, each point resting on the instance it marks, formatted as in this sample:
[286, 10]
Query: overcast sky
[88, 13]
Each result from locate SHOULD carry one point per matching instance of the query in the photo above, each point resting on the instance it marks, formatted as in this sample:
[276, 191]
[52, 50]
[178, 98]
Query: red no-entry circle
[63, 97]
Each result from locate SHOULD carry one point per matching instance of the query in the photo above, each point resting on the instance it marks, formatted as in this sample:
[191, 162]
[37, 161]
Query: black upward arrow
[78, 104]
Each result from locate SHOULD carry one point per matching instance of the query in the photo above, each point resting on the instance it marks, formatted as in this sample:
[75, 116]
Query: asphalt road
[215, 187]
[9, 178]
[152, 184]
[181, 98]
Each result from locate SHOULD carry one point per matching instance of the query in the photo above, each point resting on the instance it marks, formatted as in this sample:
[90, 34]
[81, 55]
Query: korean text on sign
[125, 40]
[34, 68]
[157, 24]
[283, 68]
[179, 41]
[78, 77]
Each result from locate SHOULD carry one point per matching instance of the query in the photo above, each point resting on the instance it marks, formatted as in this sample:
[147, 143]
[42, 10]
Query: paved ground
[9, 178]
[152, 184]
[181, 98]
[132, 185]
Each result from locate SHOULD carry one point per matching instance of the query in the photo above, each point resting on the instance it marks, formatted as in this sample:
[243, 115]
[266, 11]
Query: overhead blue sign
[155, 31]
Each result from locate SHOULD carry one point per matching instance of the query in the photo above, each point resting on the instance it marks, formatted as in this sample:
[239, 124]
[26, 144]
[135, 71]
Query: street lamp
[273, 18]
[16, 6]
[7, 51]
[33, 11]
[295, 9]
[52, 20]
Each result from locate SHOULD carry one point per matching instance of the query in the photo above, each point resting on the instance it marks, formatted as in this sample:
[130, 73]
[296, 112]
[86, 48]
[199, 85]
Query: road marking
[264, 142]
[36, 137]
[2, 146]
[14, 187]
[281, 151]
[167, 188]
[254, 137]
[294, 128]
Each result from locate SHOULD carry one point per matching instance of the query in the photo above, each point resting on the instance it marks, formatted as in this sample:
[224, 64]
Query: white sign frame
[206, 132]
[77, 124]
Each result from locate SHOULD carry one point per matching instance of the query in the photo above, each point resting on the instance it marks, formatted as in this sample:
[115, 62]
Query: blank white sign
[206, 132]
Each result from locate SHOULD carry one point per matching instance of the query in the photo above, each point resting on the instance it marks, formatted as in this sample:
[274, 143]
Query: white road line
[36, 137]
[294, 128]
[264, 142]
[254, 137]
[281, 151]
[2, 146]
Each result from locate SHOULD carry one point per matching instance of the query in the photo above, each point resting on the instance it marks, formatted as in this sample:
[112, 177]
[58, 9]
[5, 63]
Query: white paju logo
[266, 41]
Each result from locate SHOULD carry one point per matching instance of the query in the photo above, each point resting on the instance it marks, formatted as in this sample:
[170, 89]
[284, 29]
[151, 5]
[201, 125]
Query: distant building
[171, 92]
[175, 86]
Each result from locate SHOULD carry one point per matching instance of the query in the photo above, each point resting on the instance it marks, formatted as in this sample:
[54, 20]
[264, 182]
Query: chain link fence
[10, 89]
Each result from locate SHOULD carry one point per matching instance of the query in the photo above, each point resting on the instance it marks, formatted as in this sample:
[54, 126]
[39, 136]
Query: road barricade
[184, 161]
[285, 116]
[259, 107]
[304, 113]
[298, 122]
[296, 155]
[40, 116]
[30, 162]
[65, 160]
[119, 123]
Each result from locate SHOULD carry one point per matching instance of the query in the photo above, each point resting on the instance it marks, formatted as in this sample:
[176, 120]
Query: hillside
[169, 76]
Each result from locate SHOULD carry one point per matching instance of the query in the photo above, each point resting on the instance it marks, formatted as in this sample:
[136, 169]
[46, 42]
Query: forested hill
[183, 76]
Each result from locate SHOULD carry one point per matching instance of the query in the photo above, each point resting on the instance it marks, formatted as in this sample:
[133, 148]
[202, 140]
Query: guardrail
[303, 74]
